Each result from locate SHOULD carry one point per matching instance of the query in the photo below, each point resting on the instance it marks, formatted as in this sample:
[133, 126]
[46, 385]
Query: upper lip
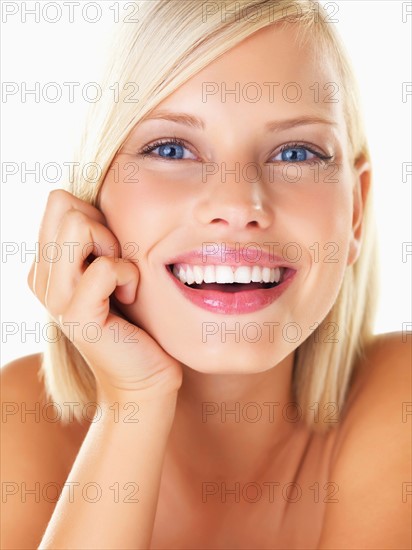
[243, 255]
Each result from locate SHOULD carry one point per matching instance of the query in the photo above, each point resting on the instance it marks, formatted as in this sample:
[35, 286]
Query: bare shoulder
[25, 401]
[383, 381]
[373, 454]
[21, 378]
[37, 453]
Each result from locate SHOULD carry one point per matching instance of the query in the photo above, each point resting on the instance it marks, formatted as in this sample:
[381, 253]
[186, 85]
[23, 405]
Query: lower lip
[232, 303]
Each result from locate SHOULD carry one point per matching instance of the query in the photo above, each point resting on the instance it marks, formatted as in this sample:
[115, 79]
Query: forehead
[271, 72]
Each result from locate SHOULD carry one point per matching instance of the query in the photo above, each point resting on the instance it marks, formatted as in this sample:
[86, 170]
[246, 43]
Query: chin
[231, 360]
[208, 353]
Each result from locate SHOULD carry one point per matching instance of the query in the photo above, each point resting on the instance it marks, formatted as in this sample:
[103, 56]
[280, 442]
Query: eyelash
[145, 152]
[305, 146]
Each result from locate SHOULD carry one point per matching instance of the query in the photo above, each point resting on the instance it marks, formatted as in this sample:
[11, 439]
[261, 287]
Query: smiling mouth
[186, 278]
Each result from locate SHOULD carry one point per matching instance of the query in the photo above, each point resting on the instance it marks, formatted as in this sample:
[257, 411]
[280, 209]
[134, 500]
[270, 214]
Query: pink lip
[245, 255]
[232, 303]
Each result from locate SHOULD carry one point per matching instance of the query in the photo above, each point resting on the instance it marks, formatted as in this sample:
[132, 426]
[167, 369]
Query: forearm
[123, 460]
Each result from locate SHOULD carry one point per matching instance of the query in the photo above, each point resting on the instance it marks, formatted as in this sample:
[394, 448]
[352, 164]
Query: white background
[379, 43]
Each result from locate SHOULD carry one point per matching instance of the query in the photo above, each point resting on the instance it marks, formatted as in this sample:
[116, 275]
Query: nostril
[254, 223]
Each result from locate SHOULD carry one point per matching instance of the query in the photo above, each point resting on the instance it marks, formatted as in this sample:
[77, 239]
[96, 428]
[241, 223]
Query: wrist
[164, 389]
[129, 405]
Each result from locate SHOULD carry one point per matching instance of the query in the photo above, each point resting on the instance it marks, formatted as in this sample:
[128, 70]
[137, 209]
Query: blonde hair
[171, 42]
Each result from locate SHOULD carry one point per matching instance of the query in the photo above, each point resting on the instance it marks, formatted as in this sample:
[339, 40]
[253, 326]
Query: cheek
[316, 214]
[138, 208]
[325, 236]
[317, 218]
[322, 214]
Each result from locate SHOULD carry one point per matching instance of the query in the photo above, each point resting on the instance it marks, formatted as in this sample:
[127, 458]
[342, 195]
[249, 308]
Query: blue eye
[291, 153]
[170, 149]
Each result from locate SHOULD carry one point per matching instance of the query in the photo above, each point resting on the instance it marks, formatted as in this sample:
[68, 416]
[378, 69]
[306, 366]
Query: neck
[234, 424]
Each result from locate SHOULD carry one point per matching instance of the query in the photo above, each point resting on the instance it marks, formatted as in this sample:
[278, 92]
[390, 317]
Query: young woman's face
[248, 173]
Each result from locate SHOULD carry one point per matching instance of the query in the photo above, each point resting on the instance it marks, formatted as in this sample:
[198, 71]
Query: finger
[91, 298]
[58, 203]
[77, 237]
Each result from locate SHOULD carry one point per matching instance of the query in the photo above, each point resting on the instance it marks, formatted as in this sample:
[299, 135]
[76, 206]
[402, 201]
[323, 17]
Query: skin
[233, 212]
[192, 451]
[247, 212]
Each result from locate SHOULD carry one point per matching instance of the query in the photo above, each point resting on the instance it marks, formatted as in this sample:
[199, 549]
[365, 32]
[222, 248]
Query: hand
[77, 293]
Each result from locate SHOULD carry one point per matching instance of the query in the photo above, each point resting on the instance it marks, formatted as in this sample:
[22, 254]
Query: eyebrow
[179, 118]
[277, 125]
[298, 121]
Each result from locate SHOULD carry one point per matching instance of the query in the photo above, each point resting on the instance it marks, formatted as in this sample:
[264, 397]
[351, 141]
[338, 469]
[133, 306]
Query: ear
[361, 186]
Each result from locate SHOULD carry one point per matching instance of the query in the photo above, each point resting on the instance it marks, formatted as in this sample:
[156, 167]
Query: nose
[234, 201]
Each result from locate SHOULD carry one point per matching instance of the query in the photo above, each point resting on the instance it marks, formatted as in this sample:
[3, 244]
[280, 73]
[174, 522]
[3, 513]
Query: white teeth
[181, 275]
[190, 279]
[243, 274]
[209, 274]
[198, 274]
[266, 274]
[224, 274]
[256, 274]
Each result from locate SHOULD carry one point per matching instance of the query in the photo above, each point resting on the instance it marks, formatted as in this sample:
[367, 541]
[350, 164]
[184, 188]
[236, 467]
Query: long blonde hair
[170, 43]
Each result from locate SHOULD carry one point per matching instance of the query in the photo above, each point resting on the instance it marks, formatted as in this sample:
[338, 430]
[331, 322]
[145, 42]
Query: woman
[215, 300]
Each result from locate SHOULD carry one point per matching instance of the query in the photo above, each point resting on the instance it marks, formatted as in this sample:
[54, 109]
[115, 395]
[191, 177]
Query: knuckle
[57, 196]
[103, 267]
[104, 264]
[75, 214]
[75, 217]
